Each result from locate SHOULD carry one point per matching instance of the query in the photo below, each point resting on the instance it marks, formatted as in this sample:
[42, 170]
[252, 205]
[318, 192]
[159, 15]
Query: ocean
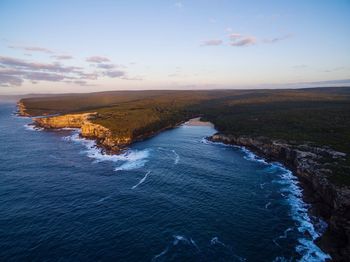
[173, 197]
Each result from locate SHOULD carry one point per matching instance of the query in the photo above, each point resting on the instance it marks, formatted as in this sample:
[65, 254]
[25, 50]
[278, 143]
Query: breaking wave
[131, 159]
[31, 127]
[292, 192]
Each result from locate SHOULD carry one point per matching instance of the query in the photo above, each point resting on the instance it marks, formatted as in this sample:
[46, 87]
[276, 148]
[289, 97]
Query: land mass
[306, 129]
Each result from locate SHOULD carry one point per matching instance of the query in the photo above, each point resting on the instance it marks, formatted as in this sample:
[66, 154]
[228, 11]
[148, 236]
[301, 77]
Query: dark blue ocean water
[174, 197]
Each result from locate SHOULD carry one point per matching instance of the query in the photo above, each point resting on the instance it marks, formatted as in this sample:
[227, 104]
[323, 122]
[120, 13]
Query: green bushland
[319, 116]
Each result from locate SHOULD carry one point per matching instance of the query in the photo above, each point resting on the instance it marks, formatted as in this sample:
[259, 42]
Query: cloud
[277, 39]
[114, 73]
[106, 66]
[97, 59]
[42, 76]
[9, 80]
[33, 49]
[80, 82]
[243, 41]
[63, 57]
[235, 36]
[19, 63]
[89, 76]
[212, 42]
[14, 71]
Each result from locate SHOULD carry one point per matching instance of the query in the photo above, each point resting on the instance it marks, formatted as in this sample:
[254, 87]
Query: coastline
[104, 138]
[327, 200]
[321, 195]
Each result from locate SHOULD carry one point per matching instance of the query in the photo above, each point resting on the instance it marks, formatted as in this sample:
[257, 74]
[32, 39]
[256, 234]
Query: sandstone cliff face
[71, 120]
[103, 135]
[22, 109]
[331, 201]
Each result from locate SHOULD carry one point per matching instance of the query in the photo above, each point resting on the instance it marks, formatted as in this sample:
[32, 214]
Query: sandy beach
[197, 122]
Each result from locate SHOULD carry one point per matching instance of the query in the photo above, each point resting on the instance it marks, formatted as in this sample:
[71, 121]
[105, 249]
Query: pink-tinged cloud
[212, 42]
[106, 66]
[33, 49]
[63, 57]
[14, 71]
[114, 73]
[19, 63]
[235, 36]
[97, 59]
[244, 41]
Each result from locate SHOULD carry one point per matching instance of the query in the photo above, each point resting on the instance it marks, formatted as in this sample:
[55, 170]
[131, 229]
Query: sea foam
[292, 191]
[131, 159]
[177, 157]
[31, 127]
[142, 180]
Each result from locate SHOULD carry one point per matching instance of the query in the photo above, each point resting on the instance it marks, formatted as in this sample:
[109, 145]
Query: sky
[85, 46]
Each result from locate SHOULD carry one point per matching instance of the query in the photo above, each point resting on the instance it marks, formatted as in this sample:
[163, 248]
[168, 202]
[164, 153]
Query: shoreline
[311, 194]
[326, 200]
[316, 228]
[198, 122]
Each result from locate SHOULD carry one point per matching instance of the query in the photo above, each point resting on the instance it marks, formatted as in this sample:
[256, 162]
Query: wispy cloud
[10, 80]
[97, 59]
[14, 71]
[212, 42]
[339, 68]
[106, 66]
[53, 67]
[277, 39]
[235, 36]
[63, 57]
[33, 49]
[240, 40]
[114, 73]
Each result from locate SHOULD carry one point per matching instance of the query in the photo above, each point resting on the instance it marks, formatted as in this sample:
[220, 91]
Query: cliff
[21, 109]
[103, 135]
[312, 165]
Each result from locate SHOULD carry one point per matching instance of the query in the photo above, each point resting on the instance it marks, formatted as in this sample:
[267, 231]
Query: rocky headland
[101, 134]
[312, 165]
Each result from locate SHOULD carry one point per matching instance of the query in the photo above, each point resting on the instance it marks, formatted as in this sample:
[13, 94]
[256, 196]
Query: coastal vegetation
[319, 116]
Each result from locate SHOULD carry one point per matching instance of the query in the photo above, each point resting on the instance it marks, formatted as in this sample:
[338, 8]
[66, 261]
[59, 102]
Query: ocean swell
[292, 192]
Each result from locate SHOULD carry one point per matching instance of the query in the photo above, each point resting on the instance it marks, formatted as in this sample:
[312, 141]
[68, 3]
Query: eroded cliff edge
[313, 165]
[101, 134]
